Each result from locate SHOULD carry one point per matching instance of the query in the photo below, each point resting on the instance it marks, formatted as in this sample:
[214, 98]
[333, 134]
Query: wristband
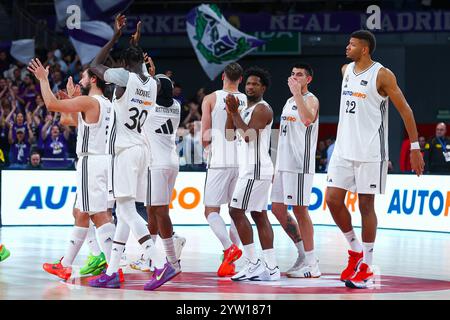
[415, 146]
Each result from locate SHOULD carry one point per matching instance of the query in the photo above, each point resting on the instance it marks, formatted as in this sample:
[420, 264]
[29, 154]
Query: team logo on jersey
[364, 82]
[294, 108]
[145, 103]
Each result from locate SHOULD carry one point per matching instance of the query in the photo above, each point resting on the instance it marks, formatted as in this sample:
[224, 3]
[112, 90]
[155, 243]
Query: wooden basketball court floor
[411, 265]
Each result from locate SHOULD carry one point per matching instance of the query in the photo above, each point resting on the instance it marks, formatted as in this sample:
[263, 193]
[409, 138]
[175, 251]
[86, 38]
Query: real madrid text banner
[216, 42]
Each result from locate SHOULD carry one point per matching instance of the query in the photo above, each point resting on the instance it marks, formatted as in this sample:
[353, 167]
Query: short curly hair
[262, 74]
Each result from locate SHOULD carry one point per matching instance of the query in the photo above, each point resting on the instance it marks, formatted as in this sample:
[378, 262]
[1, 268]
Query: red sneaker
[362, 279]
[229, 256]
[354, 259]
[58, 270]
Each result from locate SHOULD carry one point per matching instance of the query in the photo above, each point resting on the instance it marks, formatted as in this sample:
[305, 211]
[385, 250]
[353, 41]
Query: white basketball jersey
[130, 113]
[254, 157]
[297, 143]
[362, 133]
[161, 129]
[222, 152]
[91, 137]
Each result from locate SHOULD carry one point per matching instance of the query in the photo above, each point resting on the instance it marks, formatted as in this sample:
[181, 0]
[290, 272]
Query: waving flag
[91, 9]
[88, 40]
[21, 50]
[216, 42]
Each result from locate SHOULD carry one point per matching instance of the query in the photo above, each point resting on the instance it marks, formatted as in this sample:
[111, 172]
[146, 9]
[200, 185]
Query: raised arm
[387, 84]
[207, 104]
[308, 109]
[97, 65]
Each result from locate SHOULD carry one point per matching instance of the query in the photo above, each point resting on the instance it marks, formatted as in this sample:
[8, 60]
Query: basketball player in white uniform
[92, 167]
[295, 168]
[222, 169]
[135, 95]
[359, 160]
[252, 126]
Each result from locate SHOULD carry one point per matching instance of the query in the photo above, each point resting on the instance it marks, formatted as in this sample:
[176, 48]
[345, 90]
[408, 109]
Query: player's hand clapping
[119, 24]
[35, 66]
[232, 103]
[134, 41]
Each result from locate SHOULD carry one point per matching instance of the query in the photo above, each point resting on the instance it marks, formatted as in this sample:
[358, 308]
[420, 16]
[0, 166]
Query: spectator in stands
[57, 81]
[320, 158]
[20, 151]
[5, 62]
[55, 143]
[193, 114]
[192, 149]
[29, 93]
[35, 161]
[18, 124]
[437, 151]
[178, 93]
[330, 147]
[201, 93]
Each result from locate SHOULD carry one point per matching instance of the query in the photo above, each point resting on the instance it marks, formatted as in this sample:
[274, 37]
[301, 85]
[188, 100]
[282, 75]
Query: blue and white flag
[21, 50]
[88, 40]
[91, 9]
[216, 42]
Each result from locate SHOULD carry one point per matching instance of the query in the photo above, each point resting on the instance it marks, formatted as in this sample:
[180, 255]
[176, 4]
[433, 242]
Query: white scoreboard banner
[47, 197]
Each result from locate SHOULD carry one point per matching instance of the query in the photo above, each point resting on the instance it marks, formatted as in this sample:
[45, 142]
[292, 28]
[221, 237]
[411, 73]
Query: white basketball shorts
[92, 183]
[160, 186]
[292, 189]
[129, 173]
[251, 195]
[219, 186]
[357, 177]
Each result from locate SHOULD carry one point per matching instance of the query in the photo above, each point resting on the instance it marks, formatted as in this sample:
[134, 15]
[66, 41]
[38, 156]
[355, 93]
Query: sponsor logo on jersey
[354, 94]
[364, 82]
[294, 108]
[145, 103]
[289, 118]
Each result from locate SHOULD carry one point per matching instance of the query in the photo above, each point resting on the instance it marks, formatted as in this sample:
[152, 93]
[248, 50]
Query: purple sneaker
[105, 281]
[161, 276]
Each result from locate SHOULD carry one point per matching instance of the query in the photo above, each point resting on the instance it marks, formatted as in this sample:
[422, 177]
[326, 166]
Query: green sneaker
[94, 265]
[4, 253]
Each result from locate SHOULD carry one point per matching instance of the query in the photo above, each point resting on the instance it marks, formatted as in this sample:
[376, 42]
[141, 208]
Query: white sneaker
[307, 271]
[179, 243]
[250, 271]
[268, 274]
[141, 264]
[299, 263]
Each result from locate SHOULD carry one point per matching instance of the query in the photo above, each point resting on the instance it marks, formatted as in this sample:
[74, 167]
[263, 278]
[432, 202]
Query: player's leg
[340, 178]
[280, 198]
[96, 260]
[233, 178]
[217, 186]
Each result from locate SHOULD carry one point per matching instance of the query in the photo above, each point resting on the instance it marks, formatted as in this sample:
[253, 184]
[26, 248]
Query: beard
[85, 90]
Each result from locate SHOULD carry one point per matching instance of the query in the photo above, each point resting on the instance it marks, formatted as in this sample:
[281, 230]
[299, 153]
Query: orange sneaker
[230, 255]
[354, 259]
[362, 279]
[121, 276]
[58, 270]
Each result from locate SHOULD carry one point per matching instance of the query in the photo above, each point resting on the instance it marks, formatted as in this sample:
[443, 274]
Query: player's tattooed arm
[97, 65]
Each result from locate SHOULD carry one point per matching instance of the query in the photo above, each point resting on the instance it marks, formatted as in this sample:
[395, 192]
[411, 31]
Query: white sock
[300, 249]
[170, 250]
[353, 241]
[91, 239]
[219, 228]
[368, 253]
[106, 236]
[310, 258]
[250, 253]
[154, 237]
[234, 235]
[76, 241]
[269, 257]
[118, 246]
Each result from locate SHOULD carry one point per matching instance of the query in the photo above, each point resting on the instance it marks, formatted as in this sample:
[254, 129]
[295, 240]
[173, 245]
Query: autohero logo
[139, 101]
[52, 197]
